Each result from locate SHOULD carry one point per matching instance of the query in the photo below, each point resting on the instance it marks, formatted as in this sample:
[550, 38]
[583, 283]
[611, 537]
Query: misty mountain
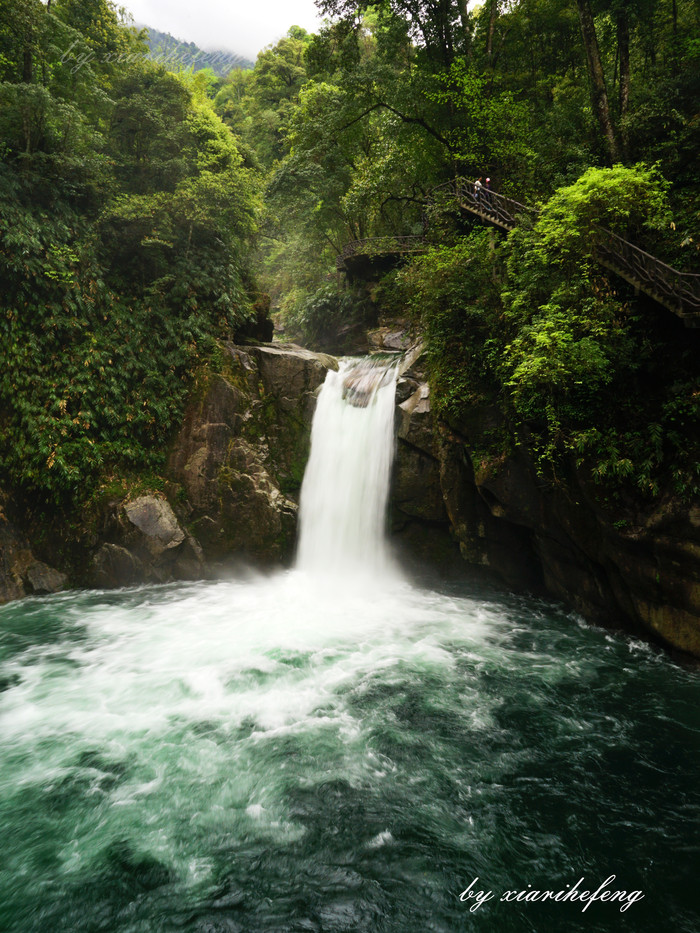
[174, 53]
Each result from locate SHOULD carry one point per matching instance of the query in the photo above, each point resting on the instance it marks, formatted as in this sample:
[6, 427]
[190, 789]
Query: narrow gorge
[340, 745]
[231, 494]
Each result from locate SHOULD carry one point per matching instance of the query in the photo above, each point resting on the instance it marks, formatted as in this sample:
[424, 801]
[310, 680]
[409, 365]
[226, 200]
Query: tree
[437, 27]
[124, 250]
[258, 104]
[599, 91]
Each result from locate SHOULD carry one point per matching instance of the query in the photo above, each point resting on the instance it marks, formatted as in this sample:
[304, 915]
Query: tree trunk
[599, 92]
[623, 45]
[466, 30]
[27, 66]
[674, 41]
[44, 79]
[445, 27]
[493, 13]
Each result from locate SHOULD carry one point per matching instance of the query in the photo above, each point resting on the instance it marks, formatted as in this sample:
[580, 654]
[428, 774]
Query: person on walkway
[487, 193]
[477, 190]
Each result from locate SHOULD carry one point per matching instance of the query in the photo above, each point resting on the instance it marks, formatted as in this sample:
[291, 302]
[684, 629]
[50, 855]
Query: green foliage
[570, 334]
[258, 104]
[629, 200]
[491, 128]
[131, 198]
[357, 159]
[532, 327]
[127, 214]
[452, 294]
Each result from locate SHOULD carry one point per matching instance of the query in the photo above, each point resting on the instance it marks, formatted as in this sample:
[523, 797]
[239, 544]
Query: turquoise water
[270, 754]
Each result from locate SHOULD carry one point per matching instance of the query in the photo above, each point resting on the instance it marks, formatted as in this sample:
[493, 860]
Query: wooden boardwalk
[679, 292]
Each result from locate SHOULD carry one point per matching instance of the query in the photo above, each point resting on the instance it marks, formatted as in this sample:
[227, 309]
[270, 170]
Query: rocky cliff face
[639, 571]
[236, 466]
[240, 456]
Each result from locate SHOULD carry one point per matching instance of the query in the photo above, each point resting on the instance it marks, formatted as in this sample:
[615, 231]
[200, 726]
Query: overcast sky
[242, 26]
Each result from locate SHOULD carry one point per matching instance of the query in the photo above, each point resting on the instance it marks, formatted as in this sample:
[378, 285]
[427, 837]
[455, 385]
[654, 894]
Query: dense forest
[145, 212]
[128, 212]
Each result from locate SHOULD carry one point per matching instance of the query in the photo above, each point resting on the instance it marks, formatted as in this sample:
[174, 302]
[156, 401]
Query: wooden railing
[494, 208]
[677, 291]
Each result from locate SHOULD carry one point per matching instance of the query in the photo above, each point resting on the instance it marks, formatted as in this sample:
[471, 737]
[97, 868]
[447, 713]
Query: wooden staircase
[679, 292]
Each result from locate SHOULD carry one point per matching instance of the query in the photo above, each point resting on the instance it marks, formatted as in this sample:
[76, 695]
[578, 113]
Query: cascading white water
[346, 484]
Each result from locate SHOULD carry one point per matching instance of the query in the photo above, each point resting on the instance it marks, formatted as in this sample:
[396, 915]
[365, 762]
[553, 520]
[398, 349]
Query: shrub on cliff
[453, 294]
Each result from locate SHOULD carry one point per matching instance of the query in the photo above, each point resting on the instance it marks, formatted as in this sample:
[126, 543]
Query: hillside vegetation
[144, 211]
[124, 248]
[585, 108]
[174, 53]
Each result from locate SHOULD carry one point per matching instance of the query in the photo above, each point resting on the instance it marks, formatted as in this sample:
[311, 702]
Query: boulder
[389, 337]
[155, 521]
[40, 578]
[405, 387]
[415, 421]
[142, 541]
[114, 566]
[289, 371]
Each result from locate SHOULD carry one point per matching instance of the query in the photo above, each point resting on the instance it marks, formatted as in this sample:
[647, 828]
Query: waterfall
[346, 483]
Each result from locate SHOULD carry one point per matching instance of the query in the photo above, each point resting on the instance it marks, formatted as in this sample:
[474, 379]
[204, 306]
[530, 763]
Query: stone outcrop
[641, 572]
[145, 544]
[419, 520]
[240, 455]
[233, 473]
[21, 574]
[416, 490]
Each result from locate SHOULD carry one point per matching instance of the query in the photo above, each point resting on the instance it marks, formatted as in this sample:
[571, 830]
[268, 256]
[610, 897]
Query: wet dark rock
[146, 543]
[415, 425]
[44, 579]
[21, 574]
[114, 566]
[641, 572]
[418, 510]
[416, 480]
